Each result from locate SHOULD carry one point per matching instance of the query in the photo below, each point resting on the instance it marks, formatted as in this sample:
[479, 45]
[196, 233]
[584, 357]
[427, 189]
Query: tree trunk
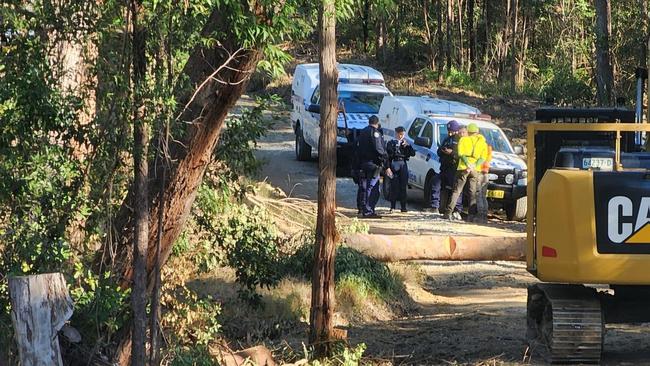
[141, 201]
[380, 49]
[513, 42]
[504, 44]
[428, 36]
[604, 71]
[461, 41]
[364, 23]
[441, 40]
[647, 63]
[523, 50]
[397, 28]
[643, 48]
[322, 293]
[450, 19]
[40, 306]
[471, 33]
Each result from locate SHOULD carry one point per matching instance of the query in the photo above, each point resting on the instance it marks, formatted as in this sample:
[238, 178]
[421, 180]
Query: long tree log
[395, 248]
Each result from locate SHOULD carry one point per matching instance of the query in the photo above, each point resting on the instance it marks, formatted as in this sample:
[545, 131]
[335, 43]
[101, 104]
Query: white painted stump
[40, 306]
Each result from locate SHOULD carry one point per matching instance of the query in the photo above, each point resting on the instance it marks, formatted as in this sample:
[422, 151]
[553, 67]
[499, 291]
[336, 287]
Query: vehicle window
[442, 132]
[493, 137]
[414, 131]
[427, 131]
[496, 139]
[361, 102]
[315, 98]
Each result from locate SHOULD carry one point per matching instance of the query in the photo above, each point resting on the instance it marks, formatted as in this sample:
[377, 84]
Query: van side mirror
[519, 150]
[423, 141]
[313, 108]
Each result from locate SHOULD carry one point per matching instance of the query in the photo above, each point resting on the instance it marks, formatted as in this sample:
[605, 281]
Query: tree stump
[40, 306]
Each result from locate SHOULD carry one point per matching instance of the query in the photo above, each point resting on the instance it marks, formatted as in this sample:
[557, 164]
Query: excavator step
[565, 323]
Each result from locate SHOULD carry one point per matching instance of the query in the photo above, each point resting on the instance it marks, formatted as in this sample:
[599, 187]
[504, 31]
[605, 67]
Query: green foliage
[239, 140]
[99, 304]
[350, 265]
[192, 356]
[566, 87]
[248, 242]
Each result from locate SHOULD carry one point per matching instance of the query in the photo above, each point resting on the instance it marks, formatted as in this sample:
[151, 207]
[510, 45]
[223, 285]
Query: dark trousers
[463, 177]
[360, 194]
[369, 187]
[398, 183]
[435, 191]
[447, 179]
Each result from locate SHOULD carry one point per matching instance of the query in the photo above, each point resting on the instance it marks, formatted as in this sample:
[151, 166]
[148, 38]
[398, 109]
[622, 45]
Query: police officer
[399, 151]
[448, 153]
[372, 161]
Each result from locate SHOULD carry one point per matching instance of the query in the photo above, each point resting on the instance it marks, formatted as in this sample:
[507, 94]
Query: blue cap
[453, 126]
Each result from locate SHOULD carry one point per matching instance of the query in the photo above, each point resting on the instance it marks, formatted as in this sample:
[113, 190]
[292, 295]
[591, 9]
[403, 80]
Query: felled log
[258, 355]
[394, 248]
[40, 306]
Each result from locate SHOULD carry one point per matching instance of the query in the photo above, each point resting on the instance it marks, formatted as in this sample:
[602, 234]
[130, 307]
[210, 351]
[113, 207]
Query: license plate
[598, 163]
[495, 194]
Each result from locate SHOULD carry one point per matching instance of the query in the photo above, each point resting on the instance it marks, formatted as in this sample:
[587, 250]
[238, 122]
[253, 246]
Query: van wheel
[303, 150]
[516, 211]
[385, 189]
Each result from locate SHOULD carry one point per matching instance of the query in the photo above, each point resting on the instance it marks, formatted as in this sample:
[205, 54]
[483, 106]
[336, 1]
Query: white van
[425, 120]
[361, 90]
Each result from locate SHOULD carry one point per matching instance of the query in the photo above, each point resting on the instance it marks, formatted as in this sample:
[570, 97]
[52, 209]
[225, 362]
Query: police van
[361, 90]
[425, 120]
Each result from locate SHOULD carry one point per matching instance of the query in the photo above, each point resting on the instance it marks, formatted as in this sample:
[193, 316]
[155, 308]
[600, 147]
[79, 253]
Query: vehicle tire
[428, 187]
[303, 150]
[385, 189]
[516, 211]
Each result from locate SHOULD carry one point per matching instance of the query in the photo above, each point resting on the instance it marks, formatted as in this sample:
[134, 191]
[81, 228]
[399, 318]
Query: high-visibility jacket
[472, 149]
[485, 167]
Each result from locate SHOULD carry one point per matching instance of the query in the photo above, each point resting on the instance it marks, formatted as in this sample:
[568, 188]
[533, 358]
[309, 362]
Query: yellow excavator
[588, 229]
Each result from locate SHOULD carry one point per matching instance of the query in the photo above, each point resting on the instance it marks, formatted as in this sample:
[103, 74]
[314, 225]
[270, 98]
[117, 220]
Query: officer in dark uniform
[448, 153]
[399, 151]
[372, 161]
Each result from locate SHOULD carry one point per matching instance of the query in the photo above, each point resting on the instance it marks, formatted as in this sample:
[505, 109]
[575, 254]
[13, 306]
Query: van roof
[346, 72]
[434, 106]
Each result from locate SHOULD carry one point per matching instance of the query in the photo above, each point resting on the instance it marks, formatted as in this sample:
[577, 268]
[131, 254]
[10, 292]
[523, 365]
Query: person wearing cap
[399, 151]
[372, 159]
[472, 152]
[448, 154]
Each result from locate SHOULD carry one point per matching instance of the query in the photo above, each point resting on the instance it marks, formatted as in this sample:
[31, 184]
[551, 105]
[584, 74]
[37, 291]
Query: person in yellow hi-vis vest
[483, 181]
[472, 152]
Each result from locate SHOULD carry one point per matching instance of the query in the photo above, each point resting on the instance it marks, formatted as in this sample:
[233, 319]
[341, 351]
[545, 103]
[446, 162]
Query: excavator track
[565, 323]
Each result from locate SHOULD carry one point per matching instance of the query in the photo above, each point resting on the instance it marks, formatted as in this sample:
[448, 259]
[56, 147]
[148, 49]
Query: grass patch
[375, 276]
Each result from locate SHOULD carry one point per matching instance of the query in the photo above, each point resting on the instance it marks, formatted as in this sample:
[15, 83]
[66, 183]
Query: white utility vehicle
[361, 90]
[425, 120]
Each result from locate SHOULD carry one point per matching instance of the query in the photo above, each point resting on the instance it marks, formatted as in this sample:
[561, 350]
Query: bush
[566, 87]
[350, 265]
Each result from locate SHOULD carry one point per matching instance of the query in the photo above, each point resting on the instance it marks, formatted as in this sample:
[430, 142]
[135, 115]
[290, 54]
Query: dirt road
[475, 313]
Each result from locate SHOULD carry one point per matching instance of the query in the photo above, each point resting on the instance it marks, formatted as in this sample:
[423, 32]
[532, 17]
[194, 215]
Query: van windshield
[361, 102]
[493, 136]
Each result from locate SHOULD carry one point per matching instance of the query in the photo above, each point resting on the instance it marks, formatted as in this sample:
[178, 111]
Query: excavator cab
[588, 223]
